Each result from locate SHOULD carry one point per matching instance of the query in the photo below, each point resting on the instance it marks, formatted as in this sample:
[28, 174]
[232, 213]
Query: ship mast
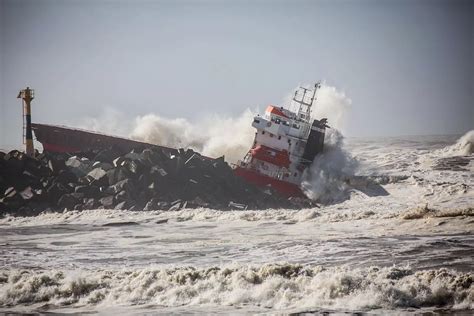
[304, 109]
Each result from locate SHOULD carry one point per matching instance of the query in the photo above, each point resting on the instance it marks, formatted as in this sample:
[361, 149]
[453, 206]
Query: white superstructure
[280, 149]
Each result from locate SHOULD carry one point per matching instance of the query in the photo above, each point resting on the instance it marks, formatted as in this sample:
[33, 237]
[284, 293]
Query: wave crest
[278, 286]
[464, 146]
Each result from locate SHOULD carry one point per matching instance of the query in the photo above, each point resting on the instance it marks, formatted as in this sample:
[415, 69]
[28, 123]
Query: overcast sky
[407, 66]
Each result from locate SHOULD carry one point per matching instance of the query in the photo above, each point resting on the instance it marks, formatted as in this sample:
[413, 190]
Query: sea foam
[277, 286]
[280, 286]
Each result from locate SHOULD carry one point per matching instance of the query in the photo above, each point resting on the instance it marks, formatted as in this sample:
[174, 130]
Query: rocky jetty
[151, 179]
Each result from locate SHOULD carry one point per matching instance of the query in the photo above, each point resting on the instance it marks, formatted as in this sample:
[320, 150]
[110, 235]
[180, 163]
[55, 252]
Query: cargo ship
[286, 142]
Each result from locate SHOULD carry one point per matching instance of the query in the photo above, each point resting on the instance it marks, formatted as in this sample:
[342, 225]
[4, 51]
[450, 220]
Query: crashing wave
[276, 286]
[463, 147]
[425, 211]
[327, 180]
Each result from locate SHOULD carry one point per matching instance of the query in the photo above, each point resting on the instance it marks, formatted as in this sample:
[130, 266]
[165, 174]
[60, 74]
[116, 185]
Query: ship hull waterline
[286, 189]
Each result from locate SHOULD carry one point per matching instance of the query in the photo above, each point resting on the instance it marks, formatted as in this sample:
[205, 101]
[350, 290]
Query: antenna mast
[304, 110]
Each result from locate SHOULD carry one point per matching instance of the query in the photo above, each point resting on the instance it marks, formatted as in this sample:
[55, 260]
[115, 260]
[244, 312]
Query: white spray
[214, 136]
[326, 179]
[109, 121]
[232, 137]
[333, 105]
[463, 147]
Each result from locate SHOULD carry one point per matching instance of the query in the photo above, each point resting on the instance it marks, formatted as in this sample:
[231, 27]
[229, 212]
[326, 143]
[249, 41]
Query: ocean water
[394, 235]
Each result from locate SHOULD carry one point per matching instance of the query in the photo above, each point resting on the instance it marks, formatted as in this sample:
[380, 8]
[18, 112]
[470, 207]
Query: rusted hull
[64, 139]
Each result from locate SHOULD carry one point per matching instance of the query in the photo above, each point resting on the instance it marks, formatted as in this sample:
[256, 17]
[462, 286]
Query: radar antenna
[304, 105]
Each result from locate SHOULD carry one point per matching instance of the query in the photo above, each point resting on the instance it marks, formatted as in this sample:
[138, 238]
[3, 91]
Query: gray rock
[88, 190]
[27, 193]
[238, 206]
[124, 205]
[177, 205]
[65, 177]
[118, 162]
[117, 174]
[70, 200]
[90, 203]
[135, 208]
[97, 173]
[108, 201]
[55, 191]
[151, 205]
[124, 185]
[103, 165]
[79, 166]
[56, 165]
[133, 156]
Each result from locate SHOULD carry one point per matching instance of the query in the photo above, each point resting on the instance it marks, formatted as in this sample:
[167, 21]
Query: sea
[393, 234]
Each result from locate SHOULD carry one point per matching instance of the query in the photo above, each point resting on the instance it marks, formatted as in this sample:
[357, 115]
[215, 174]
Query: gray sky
[407, 65]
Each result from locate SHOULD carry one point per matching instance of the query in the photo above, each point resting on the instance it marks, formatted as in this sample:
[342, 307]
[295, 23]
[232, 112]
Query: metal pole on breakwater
[27, 95]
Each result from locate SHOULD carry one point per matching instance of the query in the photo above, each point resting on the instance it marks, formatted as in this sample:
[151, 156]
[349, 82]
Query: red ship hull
[286, 189]
[61, 139]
